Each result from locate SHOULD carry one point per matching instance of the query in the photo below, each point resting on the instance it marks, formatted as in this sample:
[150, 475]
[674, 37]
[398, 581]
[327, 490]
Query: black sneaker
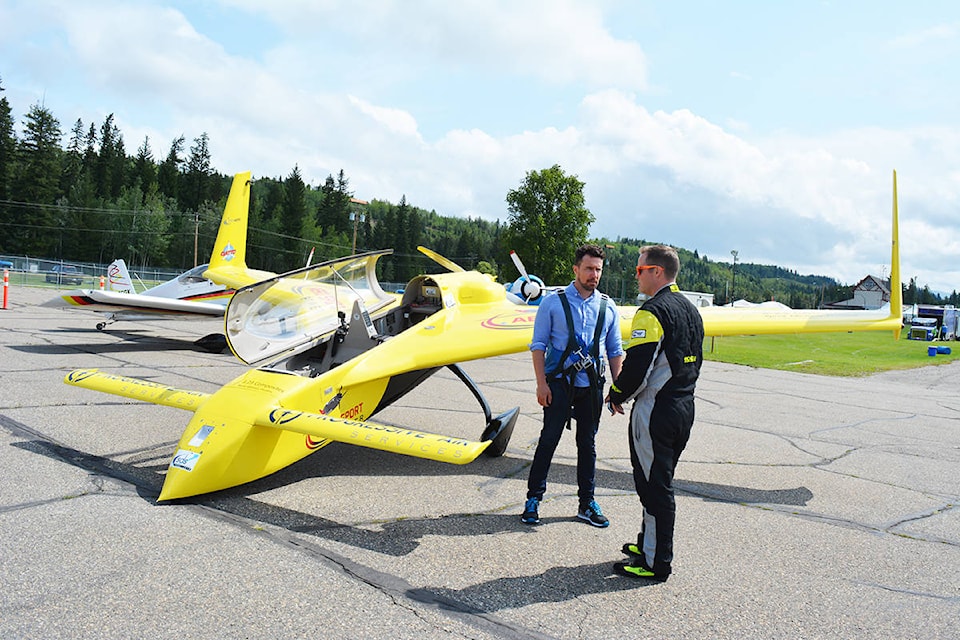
[592, 514]
[638, 569]
[530, 514]
[632, 550]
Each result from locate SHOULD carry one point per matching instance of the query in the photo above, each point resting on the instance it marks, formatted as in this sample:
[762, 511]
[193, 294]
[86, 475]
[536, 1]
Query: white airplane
[189, 295]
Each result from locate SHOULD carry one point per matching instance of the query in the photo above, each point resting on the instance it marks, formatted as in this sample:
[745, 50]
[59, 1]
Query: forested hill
[753, 282]
[80, 196]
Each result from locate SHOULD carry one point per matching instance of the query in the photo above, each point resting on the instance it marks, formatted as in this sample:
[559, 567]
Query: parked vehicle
[6, 264]
[923, 329]
[65, 274]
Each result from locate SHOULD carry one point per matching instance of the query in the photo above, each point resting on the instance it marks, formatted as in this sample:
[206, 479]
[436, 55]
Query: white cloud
[395, 120]
[557, 41]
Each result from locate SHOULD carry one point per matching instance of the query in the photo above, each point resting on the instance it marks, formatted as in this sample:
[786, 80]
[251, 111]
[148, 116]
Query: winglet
[896, 289]
[230, 248]
[439, 259]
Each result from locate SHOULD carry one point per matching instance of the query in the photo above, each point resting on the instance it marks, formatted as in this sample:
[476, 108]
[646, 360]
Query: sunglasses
[642, 268]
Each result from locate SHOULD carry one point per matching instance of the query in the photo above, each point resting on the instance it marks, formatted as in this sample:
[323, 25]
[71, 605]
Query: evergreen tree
[333, 215]
[37, 180]
[110, 165]
[168, 175]
[90, 152]
[196, 184]
[293, 212]
[72, 168]
[8, 147]
[267, 252]
[145, 169]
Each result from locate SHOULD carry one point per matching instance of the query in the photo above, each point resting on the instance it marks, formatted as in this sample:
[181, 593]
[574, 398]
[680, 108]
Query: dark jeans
[587, 417]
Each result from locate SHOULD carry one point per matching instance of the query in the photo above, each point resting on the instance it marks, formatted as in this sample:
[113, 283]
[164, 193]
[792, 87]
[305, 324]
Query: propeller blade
[519, 265]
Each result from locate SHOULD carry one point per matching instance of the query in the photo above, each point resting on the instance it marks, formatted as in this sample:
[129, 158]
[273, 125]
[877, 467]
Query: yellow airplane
[323, 372]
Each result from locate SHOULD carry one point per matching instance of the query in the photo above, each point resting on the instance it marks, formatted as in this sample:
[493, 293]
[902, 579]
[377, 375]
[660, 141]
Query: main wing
[478, 321]
[721, 321]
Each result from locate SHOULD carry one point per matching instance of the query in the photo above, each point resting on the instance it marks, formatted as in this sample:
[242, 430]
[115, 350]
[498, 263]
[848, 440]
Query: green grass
[831, 354]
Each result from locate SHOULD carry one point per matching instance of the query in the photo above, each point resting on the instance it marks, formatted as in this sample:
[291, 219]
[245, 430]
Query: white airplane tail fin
[118, 278]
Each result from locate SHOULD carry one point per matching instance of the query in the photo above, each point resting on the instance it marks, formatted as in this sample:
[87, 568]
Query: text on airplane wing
[295, 309]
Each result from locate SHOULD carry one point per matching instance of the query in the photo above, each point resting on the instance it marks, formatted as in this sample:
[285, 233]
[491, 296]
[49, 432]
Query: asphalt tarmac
[808, 507]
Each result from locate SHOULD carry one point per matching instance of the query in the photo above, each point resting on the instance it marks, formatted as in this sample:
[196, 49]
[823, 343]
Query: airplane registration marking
[516, 320]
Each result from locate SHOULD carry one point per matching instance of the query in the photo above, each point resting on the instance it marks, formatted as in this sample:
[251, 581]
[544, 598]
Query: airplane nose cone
[179, 484]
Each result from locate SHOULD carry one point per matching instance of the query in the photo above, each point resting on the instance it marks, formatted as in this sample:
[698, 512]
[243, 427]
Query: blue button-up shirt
[550, 332]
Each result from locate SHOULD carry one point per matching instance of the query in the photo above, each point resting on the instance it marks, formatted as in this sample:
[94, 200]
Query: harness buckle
[584, 362]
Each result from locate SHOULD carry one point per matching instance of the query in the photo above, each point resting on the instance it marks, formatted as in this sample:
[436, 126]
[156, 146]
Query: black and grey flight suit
[659, 374]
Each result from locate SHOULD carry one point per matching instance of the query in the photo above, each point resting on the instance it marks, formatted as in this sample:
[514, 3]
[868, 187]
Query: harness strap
[589, 363]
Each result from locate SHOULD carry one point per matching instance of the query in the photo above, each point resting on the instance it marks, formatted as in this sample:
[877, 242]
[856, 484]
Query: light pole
[357, 218]
[733, 284]
[357, 215]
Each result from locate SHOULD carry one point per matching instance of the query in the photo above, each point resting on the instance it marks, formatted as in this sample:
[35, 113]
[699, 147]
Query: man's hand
[613, 408]
[544, 395]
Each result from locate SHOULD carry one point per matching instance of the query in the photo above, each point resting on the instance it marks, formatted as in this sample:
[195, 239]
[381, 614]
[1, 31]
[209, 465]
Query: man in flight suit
[659, 374]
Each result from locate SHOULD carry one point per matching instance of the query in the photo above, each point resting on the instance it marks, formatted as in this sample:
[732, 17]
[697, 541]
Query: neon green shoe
[638, 569]
[633, 550]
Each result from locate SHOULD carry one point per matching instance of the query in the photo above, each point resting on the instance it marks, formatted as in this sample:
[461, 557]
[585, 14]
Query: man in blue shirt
[574, 331]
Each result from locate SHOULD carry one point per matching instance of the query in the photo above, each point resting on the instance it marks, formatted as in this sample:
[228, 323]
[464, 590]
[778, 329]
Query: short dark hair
[591, 250]
[664, 257]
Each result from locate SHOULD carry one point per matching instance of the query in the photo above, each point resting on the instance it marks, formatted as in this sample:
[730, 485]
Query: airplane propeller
[531, 288]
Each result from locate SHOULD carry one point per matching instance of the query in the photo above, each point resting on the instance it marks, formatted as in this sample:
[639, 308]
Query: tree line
[80, 196]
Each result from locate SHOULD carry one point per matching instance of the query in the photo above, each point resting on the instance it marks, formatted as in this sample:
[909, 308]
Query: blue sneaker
[592, 514]
[530, 514]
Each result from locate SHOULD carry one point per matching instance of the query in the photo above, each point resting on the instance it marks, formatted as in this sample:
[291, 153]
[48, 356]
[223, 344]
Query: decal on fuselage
[353, 413]
[185, 460]
[514, 320]
[283, 416]
[314, 444]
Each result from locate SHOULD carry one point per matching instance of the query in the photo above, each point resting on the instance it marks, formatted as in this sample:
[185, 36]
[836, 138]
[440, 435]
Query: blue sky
[772, 128]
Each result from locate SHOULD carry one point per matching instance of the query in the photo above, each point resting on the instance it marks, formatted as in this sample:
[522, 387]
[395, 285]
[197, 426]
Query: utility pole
[358, 216]
[733, 284]
[196, 234]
